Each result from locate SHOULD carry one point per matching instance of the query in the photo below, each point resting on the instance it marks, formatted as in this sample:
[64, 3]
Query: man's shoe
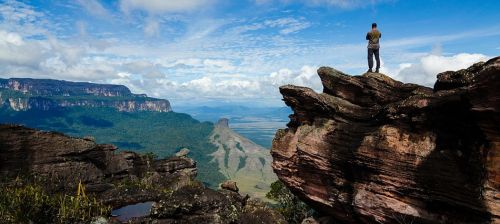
[369, 70]
[376, 71]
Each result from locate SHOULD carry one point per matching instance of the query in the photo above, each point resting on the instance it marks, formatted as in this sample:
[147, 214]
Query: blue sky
[208, 52]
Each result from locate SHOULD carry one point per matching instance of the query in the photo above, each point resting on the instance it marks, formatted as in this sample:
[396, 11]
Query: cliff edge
[371, 149]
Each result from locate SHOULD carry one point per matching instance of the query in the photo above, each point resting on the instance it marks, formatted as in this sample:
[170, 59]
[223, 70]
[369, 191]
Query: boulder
[182, 153]
[230, 185]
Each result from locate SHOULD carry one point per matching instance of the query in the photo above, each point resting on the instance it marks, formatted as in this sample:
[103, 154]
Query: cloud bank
[425, 70]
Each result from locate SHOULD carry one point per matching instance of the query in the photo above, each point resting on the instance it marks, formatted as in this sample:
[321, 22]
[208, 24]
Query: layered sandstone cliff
[370, 149]
[62, 162]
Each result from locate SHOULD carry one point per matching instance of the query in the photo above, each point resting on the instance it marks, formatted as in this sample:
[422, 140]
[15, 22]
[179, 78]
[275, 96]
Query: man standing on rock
[373, 38]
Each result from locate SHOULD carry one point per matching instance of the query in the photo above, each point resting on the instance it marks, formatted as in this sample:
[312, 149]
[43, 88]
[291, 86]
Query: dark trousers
[372, 52]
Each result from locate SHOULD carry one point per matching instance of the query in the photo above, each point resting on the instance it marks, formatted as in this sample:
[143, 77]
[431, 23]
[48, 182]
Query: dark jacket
[373, 38]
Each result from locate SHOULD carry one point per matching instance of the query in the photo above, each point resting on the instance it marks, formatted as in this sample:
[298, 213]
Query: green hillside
[161, 133]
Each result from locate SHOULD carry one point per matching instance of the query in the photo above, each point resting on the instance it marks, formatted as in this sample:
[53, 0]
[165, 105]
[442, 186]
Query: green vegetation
[160, 133]
[242, 163]
[30, 203]
[226, 155]
[238, 146]
[9, 93]
[288, 205]
[134, 185]
[262, 161]
[150, 156]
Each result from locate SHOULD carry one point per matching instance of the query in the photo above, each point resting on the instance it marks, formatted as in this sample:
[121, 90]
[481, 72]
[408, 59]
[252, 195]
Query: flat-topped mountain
[21, 94]
[52, 87]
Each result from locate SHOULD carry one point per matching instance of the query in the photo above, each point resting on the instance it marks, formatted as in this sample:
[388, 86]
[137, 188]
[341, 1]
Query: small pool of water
[124, 214]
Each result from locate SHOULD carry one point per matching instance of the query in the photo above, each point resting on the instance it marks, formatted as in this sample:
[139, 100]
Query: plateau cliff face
[241, 160]
[22, 94]
[371, 149]
[50, 87]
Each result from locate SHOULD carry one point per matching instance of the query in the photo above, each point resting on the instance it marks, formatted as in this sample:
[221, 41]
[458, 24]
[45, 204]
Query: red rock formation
[371, 149]
[63, 162]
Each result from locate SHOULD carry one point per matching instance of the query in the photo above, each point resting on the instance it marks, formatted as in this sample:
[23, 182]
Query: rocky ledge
[370, 149]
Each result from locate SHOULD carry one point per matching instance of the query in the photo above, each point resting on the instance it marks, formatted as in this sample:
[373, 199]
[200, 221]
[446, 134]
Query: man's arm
[380, 35]
[368, 36]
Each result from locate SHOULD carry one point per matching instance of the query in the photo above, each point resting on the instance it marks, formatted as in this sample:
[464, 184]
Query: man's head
[374, 25]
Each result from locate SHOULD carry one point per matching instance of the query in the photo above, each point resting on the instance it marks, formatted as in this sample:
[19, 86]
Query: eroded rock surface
[62, 162]
[371, 149]
[196, 204]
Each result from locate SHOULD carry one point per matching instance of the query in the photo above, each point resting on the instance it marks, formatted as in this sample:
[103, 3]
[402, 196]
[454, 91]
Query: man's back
[373, 38]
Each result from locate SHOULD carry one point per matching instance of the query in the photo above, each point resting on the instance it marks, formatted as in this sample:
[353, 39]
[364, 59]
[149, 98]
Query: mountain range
[135, 122]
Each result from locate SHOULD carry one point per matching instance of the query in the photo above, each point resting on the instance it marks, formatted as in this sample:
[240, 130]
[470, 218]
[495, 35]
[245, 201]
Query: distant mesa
[22, 94]
[51, 87]
[223, 123]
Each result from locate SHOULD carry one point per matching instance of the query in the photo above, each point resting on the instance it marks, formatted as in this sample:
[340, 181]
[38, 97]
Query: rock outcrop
[62, 162]
[370, 149]
[21, 94]
[196, 204]
[242, 161]
[230, 185]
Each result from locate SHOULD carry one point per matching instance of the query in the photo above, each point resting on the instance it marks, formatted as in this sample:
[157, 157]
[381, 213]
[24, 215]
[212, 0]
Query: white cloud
[221, 65]
[307, 76]
[93, 7]
[425, 70]
[14, 50]
[288, 25]
[152, 27]
[162, 6]
[22, 18]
